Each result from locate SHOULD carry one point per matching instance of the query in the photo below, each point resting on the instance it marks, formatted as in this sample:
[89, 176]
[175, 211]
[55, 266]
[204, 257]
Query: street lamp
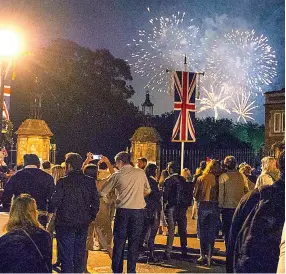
[9, 48]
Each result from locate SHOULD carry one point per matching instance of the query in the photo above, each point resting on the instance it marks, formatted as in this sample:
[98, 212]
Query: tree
[84, 97]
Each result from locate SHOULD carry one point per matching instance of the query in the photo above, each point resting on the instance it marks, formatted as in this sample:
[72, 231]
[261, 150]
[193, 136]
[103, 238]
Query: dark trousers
[128, 225]
[176, 214]
[71, 247]
[208, 216]
[151, 223]
[226, 217]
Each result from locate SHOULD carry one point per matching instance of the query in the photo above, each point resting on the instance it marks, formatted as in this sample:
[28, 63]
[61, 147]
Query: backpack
[257, 243]
[184, 192]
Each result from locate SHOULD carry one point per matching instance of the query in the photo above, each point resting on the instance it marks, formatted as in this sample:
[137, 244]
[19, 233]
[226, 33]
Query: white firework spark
[164, 47]
[243, 106]
[215, 99]
[244, 59]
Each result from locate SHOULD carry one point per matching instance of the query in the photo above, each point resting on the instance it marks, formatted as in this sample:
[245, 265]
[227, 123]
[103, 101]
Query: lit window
[283, 122]
[277, 123]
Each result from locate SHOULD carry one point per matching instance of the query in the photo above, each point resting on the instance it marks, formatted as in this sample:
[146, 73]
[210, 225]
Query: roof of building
[34, 127]
[146, 134]
[275, 91]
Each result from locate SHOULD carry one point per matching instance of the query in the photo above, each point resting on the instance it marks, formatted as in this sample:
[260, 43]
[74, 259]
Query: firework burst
[244, 59]
[243, 106]
[164, 47]
[215, 98]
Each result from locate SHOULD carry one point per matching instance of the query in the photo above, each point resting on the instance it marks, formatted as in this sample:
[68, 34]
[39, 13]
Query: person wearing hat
[31, 180]
[232, 186]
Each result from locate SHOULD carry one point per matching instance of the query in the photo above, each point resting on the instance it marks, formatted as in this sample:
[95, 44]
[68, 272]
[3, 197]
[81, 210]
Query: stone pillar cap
[34, 127]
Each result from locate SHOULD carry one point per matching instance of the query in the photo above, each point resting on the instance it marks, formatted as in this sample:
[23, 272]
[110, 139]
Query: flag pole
[183, 143]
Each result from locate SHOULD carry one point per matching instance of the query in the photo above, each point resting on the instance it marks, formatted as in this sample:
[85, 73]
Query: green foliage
[250, 133]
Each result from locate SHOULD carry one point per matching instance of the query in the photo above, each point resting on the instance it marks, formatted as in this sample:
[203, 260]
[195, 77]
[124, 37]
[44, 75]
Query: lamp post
[9, 47]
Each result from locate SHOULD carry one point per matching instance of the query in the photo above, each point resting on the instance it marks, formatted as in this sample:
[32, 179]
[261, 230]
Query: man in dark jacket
[31, 180]
[175, 208]
[260, 253]
[76, 203]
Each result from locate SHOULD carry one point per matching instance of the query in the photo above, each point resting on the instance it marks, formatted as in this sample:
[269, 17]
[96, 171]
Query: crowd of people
[94, 205]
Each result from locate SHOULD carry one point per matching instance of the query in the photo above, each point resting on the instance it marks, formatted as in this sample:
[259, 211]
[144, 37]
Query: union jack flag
[184, 106]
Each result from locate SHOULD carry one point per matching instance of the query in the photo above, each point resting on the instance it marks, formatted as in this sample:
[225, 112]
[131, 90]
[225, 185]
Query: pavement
[99, 261]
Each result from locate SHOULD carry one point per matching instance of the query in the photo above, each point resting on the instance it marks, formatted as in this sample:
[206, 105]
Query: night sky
[113, 24]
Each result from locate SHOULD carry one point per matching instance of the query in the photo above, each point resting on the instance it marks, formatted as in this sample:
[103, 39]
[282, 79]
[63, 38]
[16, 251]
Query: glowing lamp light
[9, 43]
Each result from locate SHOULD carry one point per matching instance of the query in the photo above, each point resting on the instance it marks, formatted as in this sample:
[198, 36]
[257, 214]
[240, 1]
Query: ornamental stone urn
[146, 143]
[33, 137]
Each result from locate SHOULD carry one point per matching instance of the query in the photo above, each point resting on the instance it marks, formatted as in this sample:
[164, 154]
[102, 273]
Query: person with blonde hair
[26, 247]
[206, 193]
[269, 174]
[186, 173]
[57, 171]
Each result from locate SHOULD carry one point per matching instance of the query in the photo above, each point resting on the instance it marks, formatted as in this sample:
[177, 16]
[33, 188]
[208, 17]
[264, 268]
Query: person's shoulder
[267, 191]
[152, 180]
[137, 170]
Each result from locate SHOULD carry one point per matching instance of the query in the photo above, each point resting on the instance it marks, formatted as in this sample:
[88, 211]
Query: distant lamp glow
[9, 43]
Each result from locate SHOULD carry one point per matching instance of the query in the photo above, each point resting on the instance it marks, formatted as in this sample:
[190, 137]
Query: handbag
[39, 252]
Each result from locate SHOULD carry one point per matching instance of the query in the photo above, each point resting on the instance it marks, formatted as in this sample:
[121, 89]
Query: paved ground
[99, 261]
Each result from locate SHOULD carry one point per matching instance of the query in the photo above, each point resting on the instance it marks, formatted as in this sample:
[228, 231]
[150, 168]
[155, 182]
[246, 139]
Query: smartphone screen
[96, 157]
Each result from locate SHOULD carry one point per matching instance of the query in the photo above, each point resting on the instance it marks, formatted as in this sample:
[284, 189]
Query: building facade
[274, 120]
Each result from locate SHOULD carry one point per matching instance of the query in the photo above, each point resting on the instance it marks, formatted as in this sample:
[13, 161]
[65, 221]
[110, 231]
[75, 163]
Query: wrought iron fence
[193, 157]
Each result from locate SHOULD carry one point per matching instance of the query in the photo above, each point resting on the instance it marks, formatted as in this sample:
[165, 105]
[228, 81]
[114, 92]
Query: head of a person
[173, 167]
[245, 169]
[46, 165]
[230, 162]
[141, 162]
[91, 171]
[203, 165]
[31, 159]
[213, 167]
[102, 166]
[151, 170]
[201, 168]
[268, 164]
[23, 213]
[122, 158]
[57, 171]
[164, 174]
[186, 173]
[73, 162]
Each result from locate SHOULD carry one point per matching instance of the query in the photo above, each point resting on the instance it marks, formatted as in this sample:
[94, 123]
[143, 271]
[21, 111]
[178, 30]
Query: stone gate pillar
[33, 137]
[146, 143]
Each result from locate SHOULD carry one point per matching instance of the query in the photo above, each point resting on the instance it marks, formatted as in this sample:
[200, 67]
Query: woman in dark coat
[26, 247]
